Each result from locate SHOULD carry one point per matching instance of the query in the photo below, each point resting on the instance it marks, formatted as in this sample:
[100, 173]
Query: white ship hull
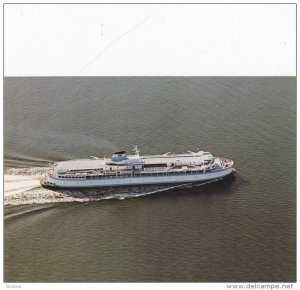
[137, 180]
[124, 170]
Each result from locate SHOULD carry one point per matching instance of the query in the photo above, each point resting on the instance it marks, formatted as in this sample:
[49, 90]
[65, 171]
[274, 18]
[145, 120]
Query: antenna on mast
[136, 150]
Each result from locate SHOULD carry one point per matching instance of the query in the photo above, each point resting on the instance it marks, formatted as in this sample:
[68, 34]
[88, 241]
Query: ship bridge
[121, 158]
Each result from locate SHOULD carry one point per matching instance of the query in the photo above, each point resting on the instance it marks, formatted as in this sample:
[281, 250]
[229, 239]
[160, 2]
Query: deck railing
[137, 175]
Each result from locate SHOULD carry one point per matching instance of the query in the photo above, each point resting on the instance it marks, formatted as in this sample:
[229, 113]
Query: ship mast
[136, 150]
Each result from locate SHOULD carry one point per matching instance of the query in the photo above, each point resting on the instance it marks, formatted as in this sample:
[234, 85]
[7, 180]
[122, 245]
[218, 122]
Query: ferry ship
[121, 169]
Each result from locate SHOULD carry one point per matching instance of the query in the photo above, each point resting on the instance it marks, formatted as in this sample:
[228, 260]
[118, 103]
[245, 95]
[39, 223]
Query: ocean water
[240, 229]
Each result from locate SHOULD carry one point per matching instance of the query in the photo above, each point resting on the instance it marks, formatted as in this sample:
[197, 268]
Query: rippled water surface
[242, 228]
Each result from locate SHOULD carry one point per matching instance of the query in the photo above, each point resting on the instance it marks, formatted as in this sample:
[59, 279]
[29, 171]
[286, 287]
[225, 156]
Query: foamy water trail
[21, 186]
[14, 184]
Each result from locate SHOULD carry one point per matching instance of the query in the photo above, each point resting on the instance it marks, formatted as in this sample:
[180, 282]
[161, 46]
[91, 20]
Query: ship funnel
[119, 156]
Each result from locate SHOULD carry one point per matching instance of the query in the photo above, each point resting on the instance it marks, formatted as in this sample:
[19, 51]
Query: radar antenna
[136, 150]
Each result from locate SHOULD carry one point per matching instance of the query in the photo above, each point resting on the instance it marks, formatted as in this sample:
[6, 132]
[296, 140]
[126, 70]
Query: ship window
[155, 165]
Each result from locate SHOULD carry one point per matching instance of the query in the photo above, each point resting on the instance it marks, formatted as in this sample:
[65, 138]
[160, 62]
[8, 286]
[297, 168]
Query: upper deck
[120, 163]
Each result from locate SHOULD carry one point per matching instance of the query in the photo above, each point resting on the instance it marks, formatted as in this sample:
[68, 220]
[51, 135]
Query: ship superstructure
[121, 169]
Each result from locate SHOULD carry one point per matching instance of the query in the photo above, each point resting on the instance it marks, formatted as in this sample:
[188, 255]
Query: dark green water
[240, 229]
